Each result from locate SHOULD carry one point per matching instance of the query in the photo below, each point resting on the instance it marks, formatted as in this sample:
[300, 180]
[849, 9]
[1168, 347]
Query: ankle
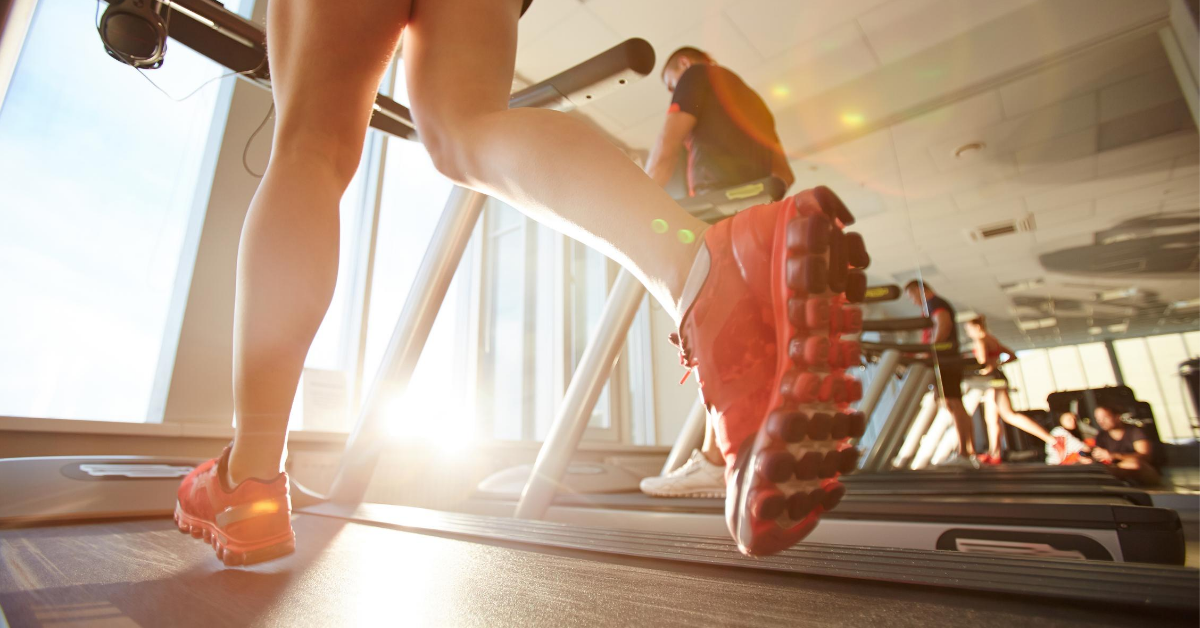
[714, 457]
[239, 470]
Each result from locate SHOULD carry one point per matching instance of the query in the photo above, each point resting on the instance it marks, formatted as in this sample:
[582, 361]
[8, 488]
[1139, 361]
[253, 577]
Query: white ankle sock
[695, 280]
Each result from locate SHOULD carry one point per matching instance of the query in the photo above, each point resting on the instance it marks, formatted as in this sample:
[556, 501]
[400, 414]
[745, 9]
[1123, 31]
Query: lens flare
[780, 91]
[686, 236]
[853, 119]
[658, 225]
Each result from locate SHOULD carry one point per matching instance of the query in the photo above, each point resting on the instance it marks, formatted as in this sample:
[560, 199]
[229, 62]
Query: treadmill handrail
[898, 324]
[239, 45]
[881, 294]
[591, 79]
[772, 187]
[941, 348]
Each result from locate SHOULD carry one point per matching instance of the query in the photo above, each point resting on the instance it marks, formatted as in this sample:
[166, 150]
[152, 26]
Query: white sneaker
[957, 460]
[695, 478]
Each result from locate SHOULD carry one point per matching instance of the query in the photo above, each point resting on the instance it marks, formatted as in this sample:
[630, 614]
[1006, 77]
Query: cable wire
[246, 149]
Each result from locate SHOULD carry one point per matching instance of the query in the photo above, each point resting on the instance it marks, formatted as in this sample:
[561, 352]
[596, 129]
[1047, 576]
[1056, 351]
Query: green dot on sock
[658, 225]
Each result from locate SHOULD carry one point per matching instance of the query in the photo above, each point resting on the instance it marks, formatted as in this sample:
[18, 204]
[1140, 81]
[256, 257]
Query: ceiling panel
[657, 20]
[1139, 93]
[1087, 72]
[830, 59]
[1020, 132]
[1183, 145]
[1065, 148]
[1148, 199]
[1146, 124]
[635, 135]
[1029, 182]
[720, 38]
[951, 121]
[542, 16]
[900, 28]
[575, 39]
[1187, 165]
[867, 158]
[981, 172]
[1115, 183]
[1068, 217]
[773, 26]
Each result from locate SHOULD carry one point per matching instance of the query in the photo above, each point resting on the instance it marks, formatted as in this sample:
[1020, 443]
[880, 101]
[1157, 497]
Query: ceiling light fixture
[1120, 293]
[1022, 286]
[1041, 323]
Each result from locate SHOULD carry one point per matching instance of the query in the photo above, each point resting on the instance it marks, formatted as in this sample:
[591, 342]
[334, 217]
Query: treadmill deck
[145, 573]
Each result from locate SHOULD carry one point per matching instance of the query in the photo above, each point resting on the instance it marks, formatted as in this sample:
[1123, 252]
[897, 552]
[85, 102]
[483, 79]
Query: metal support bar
[919, 376]
[907, 419]
[690, 437]
[912, 442]
[421, 307]
[883, 375]
[594, 368]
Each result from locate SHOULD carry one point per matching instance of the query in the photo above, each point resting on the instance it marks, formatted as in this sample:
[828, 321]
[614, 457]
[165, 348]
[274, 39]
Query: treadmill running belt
[349, 574]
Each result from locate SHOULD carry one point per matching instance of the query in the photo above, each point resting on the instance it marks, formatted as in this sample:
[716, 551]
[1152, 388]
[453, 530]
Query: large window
[542, 299]
[413, 197]
[102, 180]
[1150, 367]
[1039, 372]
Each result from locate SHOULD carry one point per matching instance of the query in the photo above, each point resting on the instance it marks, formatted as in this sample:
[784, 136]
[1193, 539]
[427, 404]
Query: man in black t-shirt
[730, 138]
[726, 127]
[944, 338]
[1125, 447]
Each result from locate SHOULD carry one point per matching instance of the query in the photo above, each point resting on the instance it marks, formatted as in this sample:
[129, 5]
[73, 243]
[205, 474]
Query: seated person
[1125, 447]
[730, 138]
[1069, 446]
[988, 351]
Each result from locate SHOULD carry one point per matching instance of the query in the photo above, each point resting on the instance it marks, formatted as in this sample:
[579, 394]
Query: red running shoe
[765, 333]
[248, 524]
[989, 459]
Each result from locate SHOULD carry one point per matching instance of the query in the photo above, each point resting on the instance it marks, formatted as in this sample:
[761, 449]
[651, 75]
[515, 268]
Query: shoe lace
[685, 355]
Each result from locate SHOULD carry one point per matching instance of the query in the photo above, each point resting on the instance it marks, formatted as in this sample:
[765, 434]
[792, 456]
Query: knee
[335, 151]
[448, 151]
[454, 141]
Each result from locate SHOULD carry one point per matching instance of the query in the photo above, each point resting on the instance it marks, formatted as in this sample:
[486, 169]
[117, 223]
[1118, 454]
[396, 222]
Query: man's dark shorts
[950, 378]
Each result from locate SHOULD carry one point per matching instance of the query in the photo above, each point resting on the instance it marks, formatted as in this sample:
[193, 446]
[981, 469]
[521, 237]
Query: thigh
[1003, 401]
[459, 58]
[327, 59]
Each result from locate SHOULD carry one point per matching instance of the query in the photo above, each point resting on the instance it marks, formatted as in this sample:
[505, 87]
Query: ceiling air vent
[999, 229]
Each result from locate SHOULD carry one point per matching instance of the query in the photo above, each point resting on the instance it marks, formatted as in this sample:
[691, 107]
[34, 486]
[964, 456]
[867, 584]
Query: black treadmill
[391, 565]
[89, 541]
